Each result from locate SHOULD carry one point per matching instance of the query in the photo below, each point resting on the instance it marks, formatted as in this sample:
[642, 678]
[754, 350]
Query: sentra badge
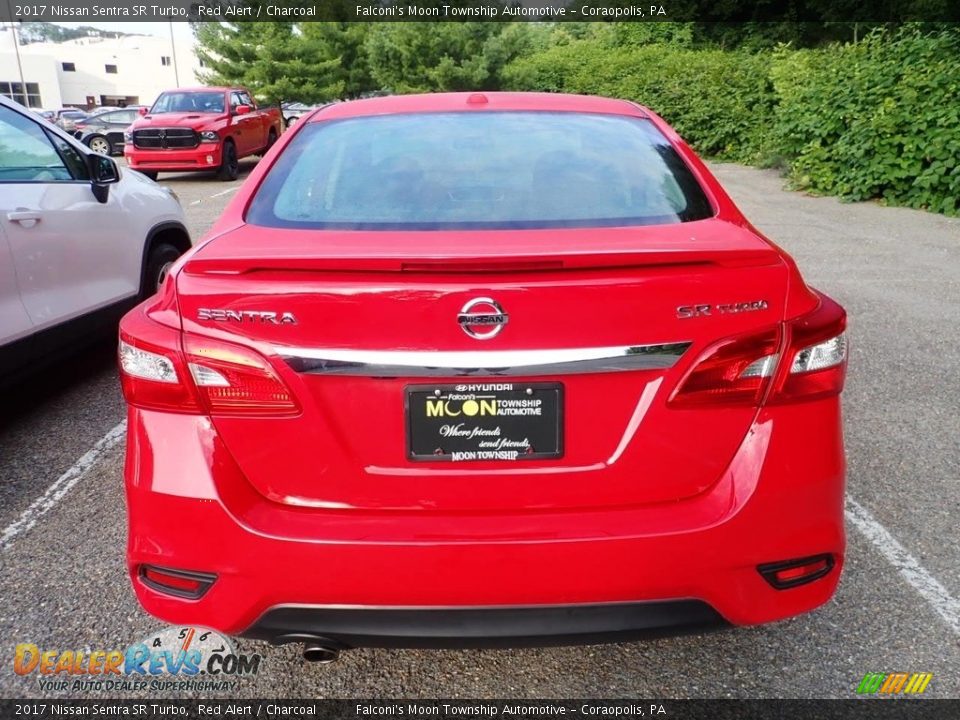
[247, 316]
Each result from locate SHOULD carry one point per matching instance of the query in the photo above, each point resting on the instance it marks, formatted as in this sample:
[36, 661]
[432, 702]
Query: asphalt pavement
[63, 583]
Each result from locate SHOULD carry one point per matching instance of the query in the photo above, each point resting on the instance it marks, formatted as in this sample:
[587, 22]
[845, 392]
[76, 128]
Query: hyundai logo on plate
[482, 318]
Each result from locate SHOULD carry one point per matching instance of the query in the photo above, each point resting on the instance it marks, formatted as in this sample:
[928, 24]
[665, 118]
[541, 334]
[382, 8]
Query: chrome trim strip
[478, 363]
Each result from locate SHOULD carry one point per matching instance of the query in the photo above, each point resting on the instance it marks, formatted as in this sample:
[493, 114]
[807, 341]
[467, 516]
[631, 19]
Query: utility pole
[16, 50]
[173, 48]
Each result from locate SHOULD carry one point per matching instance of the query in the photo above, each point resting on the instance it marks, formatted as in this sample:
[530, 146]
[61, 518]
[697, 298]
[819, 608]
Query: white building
[88, 72]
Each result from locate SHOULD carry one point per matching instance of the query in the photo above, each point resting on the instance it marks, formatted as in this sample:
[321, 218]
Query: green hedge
[875, 119]
[879, 119]
[720, 102]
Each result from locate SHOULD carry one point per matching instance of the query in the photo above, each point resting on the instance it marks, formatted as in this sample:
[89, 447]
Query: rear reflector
[791, 573]
[180, 583]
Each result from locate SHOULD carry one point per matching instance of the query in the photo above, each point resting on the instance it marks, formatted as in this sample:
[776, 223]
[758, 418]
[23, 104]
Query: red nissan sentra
[483, 370]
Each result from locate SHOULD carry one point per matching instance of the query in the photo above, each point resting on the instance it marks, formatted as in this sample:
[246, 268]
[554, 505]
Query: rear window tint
[478, 170]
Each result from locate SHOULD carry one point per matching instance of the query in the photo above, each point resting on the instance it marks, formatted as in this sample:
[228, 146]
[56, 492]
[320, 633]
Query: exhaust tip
[320, 654]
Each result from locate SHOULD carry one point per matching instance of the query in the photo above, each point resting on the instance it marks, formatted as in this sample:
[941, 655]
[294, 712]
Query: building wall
[37, 69]
[144, 68]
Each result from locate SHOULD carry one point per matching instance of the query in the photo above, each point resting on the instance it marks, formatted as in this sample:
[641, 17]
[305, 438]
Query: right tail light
[816, 362]
[808, 361]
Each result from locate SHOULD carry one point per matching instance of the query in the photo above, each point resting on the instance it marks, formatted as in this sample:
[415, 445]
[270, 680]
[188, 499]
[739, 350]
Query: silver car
[81, 240]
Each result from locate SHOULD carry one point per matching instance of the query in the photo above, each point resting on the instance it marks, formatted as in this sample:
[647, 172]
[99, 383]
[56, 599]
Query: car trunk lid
[366, 328]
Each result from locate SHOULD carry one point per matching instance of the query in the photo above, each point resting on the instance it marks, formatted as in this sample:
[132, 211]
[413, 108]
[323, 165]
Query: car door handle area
[27, 218]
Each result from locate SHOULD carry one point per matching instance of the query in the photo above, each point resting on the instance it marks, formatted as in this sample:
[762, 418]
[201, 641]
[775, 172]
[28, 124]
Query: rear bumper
[205, 156]
[484, 627]
[420, 578]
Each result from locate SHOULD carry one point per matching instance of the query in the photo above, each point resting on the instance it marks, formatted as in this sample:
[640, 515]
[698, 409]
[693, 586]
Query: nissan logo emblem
[482, 318]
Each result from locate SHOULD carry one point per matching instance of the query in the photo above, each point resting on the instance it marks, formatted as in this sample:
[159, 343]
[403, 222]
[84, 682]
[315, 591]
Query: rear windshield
[189, 102]
[485, 170]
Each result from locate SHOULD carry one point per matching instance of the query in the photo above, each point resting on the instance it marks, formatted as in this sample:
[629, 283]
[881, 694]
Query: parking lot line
[61, 486]
[194, 203]
[936, 595]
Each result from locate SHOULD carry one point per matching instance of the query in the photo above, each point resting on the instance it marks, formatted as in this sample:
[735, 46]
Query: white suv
[81, 240]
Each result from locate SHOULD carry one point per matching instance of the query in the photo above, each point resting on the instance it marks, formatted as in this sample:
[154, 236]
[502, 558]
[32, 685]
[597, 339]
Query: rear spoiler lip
[245, 265]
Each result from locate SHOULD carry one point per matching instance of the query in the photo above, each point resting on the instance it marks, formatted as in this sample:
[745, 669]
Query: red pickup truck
[205, 128]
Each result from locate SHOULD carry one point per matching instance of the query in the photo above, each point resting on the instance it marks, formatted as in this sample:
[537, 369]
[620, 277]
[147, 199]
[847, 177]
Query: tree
[345, 41]
[424, 57]
[277, 61]
[635, 34]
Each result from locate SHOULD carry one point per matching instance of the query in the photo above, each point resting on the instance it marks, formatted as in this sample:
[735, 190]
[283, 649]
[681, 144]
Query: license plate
[484, 421]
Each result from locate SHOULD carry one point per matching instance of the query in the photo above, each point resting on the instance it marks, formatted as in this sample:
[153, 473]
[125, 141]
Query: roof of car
[206, 88]
[474, 101]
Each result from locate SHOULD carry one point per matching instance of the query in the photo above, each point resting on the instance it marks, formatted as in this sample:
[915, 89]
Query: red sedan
[483, 370]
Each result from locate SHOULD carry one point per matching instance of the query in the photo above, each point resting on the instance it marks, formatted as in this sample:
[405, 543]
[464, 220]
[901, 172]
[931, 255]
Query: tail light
[818, 355]
[807, 361]
[234, 380]
[207, 375]
[152, 372]
[734, 371]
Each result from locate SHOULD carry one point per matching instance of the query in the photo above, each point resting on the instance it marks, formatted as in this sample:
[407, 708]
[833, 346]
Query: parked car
[293, 111]
[67, 118]
[99, 110]
[104, 132]
[207, 128]
[483, 369]
[81, 241]
[48, 115]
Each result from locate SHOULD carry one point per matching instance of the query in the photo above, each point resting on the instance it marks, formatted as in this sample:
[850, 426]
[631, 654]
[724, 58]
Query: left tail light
[235, 380]
[153, 373]
[204, 376]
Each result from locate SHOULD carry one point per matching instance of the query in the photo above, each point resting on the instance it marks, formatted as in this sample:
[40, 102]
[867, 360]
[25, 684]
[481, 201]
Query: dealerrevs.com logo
[174, 659]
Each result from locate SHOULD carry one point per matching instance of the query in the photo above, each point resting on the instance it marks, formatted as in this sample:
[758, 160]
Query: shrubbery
[879, 119]
[721, 102]
[875, 119]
